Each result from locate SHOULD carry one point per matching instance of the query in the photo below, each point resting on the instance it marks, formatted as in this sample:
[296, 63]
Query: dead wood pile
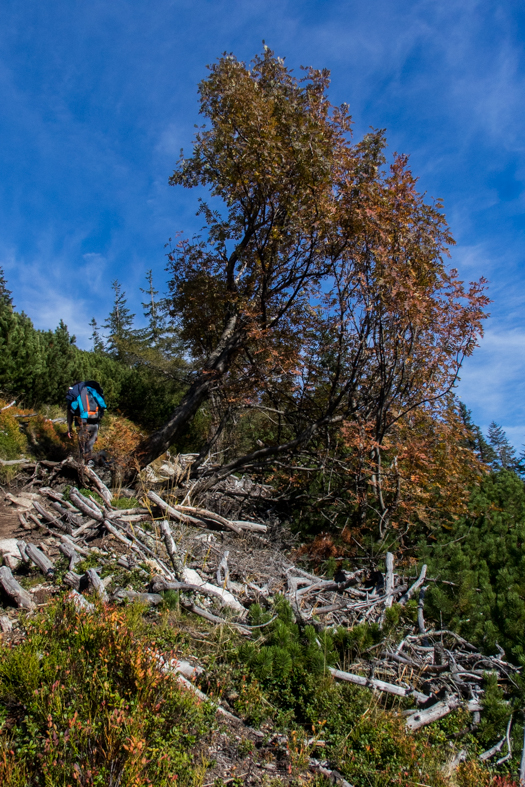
[220, 566]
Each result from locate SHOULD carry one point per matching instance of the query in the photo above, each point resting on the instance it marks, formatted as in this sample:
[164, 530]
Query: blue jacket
[77, 405]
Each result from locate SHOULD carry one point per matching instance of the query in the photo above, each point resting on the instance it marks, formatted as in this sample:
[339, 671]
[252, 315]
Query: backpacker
[86, 400]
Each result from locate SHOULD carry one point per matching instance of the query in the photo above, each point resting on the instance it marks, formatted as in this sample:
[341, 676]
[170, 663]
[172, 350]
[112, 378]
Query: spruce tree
[155, 312]
[475, 439]
[98, 342]
[5, 294]
[118, 324]
[505, 455]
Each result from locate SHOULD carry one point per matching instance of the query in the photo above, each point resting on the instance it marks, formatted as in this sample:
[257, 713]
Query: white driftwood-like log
[87, 507]
[223, 572]
[380, 685]
[172, 511]
[22, 546]
[210, 516]
[253, 526]
[191, 576]
[171, 548]
[84, 551]
[72, 580]
[417, 720]
[334, 777]
[412, 589]
[522, 763]
[203, 613]
[101, 487]
[96, 584]
[389, 579]
[20, 596]
[81, 603]
[5, 624]
[152, 599]
[420, 608]
[40, 560]
[118, 535]
[159, 584]
[71, 553]
[52, 519]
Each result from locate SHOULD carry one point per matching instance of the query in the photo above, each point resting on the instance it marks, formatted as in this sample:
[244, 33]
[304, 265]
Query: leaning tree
[319, 296]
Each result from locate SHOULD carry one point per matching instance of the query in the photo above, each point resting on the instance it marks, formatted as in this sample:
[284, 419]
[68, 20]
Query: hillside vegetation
[309, 343]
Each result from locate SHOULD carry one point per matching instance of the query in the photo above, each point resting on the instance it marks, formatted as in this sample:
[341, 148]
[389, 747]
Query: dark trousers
[87, 437]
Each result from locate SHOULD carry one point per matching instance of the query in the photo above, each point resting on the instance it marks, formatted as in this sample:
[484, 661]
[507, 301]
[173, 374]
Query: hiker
[86, 406]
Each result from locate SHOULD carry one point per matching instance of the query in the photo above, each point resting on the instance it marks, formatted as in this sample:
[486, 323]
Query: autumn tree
[319, 297]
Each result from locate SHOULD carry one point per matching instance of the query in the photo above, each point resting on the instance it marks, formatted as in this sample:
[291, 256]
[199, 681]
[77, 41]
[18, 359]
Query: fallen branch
[40, 560]
[20, 596]
[380, 685]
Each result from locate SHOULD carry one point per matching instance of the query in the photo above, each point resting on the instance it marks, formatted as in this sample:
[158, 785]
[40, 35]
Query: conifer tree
[118, 324]
[5, 294]
[505, 455]
[155, 313]
[98, 342]
[476, 441]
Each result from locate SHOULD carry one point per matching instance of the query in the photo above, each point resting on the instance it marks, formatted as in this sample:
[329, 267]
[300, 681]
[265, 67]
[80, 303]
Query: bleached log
[192, 577]
[40, 560]
[118, 535]
[334, 777]
[438, 711]
[20, 596]
[522, 763]
[22, 546]
[171, 548]
[152, 599]
[73, 519]
[223, 572]
[210, 516]
[84, 551]
[13, 462]
[96, 585]
[72, 580]
[380, 685]
[102, 489]
[81, 604]
[253, 526]
[412, 589]
[50, 518]
[5, 624]
[87, 508]
[7, 406]
[172, 511]
[213, 618]
[420, 608]
[389, 579]
[159, 584]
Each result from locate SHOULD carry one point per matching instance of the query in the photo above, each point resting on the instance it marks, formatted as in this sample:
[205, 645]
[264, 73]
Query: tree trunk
[217, 364]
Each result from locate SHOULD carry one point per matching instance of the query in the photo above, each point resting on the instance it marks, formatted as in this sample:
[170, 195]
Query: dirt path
[10, 526]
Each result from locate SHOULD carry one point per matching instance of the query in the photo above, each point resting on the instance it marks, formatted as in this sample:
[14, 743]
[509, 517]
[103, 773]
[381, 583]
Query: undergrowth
[83, 702]
[281, 680]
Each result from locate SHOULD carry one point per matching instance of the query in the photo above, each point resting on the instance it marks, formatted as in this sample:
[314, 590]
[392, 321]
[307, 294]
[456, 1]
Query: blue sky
[98, 98]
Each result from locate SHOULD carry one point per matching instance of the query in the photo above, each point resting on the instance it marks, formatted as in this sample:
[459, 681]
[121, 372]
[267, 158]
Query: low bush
[83, 702]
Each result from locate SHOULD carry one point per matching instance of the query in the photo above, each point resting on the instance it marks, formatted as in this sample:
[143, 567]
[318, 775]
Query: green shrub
[83, 701]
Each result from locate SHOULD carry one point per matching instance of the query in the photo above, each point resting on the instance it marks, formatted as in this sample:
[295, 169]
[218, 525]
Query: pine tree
[118, 324]
[475, 440]
[155, 313]
[505, 455]
[98, 342]
[5, 294]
